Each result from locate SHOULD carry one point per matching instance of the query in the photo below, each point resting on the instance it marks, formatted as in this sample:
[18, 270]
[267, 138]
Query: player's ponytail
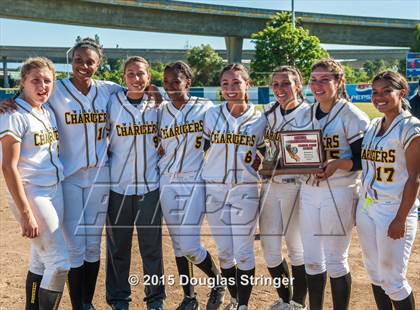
[397, 82]
[337, 70]
[35, 63]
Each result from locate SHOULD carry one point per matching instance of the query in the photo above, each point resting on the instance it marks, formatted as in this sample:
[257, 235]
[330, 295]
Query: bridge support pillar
[5, 73]
[234, 49]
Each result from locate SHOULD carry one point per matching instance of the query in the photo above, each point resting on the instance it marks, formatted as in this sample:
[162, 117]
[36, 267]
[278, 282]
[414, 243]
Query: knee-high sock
[49, 300]
[316, 289]
[282, 271]
[340, 291]
[185, 269]
[32, 287]
[91, 275]
[230, 275]
[76, 286]
[405, 304]
[383, 302]
[300, 288]
[208, 267]
[244, 287]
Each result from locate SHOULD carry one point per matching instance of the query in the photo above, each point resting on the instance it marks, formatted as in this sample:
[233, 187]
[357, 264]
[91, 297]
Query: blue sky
[16, 32]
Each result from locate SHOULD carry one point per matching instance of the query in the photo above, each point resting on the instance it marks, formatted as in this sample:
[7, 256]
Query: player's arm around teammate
[80, 106]
[387, 212]
[182, 188]
[279, 216]
[134, 195]
[327, 199]
[234, 130]
[33, 175]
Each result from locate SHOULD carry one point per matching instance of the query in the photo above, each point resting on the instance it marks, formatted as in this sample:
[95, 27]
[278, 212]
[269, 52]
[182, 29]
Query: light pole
[293, 14]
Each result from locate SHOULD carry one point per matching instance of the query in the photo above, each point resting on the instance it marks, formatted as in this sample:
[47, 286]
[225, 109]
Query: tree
[354, 76]
[416, 46]
[374, 67]
[206, 65]
[156, 70]
[280, 43]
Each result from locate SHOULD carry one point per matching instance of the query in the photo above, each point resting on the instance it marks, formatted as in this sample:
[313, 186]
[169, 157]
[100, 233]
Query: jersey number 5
[387, 172]
[198, 141]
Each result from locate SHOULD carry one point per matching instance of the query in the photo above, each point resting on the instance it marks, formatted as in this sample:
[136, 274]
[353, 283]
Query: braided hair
[337, 70]
[180, 67]
[88, 43]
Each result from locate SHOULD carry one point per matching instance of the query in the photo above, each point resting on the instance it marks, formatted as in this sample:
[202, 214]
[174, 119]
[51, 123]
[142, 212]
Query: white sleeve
[108, 113]
[112, 87]
[410, 132]
[13, 124]
[355, 124]
[261, 131]
[207, 125]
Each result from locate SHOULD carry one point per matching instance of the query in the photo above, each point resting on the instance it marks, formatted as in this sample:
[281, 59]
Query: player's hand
[8, 105]
[161, 151]
[29, 226]
[396, 229]
[330, 168]
[256, 163]
[152, 91]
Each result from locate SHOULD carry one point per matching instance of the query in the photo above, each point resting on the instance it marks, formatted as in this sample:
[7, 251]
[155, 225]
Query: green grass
[369, 109]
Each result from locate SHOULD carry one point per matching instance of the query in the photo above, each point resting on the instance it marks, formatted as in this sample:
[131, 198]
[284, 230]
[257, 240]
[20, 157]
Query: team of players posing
[121, 154]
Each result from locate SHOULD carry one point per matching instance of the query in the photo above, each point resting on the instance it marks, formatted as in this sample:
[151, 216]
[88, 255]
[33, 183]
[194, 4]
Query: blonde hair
[337, 70]
[35, 63]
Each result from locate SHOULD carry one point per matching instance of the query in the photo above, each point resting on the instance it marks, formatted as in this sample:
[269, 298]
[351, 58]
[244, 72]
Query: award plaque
[301, 152]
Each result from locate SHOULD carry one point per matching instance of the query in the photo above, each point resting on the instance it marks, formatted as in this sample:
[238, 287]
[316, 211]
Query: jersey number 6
[248, 157]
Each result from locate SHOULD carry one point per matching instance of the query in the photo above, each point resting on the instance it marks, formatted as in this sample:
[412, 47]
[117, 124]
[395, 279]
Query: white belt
[286, 180]
[186, 174]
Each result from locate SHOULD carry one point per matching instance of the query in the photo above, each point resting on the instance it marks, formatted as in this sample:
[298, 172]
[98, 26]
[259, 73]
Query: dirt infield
[15, 251]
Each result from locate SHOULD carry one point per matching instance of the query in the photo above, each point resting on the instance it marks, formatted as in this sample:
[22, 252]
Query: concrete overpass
[233, 23]
[16, 54]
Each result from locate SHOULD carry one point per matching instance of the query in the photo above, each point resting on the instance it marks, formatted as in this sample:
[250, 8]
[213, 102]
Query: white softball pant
[85, 210]
[326, 228]
[232, 213]
[385, 259]
[49, 256]
[183, 206]
[279, 217]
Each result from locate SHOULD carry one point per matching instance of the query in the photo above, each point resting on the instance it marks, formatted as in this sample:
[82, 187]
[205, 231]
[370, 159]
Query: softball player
[183, 195]
[280, 198]
[234, 130]
[33, 174]
[387, 211]
[134, 196]
[327, 199]
[80, 106]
